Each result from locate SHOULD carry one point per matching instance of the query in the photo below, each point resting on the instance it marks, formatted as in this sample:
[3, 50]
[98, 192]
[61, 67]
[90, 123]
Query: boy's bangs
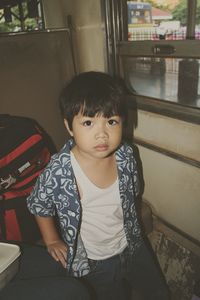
[103, 107]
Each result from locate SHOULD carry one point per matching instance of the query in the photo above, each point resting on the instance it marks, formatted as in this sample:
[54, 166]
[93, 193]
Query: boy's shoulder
[127, 149]
[59, 159]
[128, 153]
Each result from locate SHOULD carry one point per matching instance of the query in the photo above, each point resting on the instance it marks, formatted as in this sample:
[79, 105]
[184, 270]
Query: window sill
[172, 110]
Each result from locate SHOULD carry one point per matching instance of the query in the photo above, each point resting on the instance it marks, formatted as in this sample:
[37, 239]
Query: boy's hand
[58, 250]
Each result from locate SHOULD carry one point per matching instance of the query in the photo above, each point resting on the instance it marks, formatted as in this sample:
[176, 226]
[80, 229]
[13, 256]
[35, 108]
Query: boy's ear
[67, 127]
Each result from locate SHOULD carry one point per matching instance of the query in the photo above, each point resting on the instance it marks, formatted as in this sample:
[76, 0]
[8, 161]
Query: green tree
[16, 25]
[180, 12]
[154, 4]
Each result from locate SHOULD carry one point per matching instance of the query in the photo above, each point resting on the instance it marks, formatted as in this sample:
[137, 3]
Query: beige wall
[53, 14]
[88, 33]
[172, 187]
[34, 68]
[168, 133]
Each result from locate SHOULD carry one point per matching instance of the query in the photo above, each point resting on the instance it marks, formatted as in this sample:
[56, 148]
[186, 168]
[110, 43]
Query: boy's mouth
[101, 147]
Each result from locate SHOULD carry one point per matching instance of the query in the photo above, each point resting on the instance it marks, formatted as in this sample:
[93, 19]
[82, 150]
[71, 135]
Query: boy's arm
[55, 246]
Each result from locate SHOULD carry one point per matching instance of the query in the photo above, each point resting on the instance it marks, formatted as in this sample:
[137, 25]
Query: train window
[172, 79]
[21, 15]
[156, 48]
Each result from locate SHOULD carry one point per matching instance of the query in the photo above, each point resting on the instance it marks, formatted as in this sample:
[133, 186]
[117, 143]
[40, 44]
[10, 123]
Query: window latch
[163, 49]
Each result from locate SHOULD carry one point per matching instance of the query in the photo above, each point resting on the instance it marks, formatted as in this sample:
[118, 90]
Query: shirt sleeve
[41, 200]
[138, 179]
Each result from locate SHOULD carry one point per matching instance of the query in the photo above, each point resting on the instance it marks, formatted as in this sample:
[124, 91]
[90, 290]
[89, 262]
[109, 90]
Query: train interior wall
[34, 68]
[32, 75]
[172, 190]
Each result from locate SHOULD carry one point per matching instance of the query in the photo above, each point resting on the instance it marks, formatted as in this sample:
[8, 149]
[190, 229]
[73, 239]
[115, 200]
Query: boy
[91, 185]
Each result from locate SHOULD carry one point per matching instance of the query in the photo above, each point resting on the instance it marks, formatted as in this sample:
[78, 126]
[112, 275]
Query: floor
[179, 260]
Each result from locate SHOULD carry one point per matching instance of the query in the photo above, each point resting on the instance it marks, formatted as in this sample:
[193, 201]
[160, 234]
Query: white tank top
[102, 228]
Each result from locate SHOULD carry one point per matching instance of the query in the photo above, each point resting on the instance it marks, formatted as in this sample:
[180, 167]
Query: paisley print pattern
[56, 192]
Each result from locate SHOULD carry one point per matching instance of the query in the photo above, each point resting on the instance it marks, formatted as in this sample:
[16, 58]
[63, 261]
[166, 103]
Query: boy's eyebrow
[100, 115]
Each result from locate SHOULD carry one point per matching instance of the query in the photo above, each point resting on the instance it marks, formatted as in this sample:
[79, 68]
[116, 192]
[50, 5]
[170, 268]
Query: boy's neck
[102, 172]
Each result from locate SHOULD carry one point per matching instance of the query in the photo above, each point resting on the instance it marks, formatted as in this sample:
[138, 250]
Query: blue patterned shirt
[56, 192]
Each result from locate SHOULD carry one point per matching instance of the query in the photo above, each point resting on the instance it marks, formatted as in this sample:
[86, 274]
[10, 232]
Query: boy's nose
[101, 131]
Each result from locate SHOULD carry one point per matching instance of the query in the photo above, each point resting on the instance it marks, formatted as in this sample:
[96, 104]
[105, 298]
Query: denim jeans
[114, 278]
[40, 277]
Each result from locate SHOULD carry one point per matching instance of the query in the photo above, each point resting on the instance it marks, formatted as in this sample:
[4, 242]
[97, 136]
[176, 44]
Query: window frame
[118, 46]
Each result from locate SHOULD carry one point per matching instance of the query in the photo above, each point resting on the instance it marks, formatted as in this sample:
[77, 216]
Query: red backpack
[25, 149]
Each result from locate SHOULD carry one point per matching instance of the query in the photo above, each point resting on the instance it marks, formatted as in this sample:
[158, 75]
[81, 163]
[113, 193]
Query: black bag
[25, 149]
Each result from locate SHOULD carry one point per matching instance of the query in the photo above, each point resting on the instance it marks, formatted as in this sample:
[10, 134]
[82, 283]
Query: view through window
[20, 15]
[161, 19]
[160, 60]
[174, 80]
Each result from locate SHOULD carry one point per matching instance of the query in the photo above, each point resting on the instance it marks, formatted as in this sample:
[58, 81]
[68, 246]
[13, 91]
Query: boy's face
[96, 137]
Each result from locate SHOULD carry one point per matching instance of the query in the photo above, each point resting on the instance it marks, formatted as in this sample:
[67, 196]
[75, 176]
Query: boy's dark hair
[93, 93]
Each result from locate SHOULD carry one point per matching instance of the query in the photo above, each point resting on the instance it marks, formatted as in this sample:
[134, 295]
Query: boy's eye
[87, 123]
[112, 122]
